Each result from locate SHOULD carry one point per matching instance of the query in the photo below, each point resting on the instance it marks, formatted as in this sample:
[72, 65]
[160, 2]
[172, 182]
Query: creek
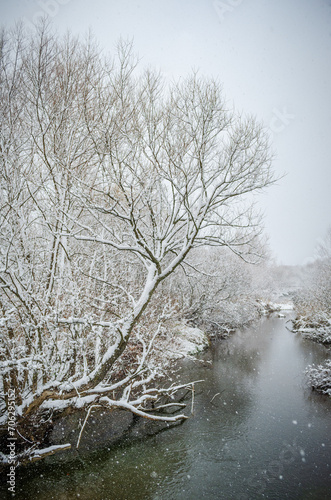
[258, 431]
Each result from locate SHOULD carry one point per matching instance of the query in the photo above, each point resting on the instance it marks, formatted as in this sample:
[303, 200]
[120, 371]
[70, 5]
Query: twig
[217, 394]
[192, 405]
[39, 454]
[83, 426]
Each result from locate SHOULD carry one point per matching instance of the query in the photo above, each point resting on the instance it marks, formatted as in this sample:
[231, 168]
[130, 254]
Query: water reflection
[257, 432]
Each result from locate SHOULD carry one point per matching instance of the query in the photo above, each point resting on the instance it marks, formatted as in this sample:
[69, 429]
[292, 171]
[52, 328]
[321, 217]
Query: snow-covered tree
[216, 290]
[109, 177]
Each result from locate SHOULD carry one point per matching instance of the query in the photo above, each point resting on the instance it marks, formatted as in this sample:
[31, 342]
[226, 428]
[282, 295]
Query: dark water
[257, 432]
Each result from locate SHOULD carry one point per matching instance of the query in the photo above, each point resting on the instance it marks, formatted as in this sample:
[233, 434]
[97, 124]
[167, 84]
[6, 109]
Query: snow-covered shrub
[320, 377]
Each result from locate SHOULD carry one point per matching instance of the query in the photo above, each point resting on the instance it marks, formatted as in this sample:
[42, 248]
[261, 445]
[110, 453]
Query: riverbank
[317, 329]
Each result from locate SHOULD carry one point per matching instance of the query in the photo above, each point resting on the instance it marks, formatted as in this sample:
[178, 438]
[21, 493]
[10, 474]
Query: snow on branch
[127, 406]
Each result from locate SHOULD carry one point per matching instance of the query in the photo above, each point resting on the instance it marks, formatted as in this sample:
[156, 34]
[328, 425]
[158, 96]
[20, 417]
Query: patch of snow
[58, 404]
[270, 307]
[187, 341]
[288, 306]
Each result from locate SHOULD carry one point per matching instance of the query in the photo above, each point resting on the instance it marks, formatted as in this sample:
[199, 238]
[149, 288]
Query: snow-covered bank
[183, 341]
[270, 307]
[318, 329]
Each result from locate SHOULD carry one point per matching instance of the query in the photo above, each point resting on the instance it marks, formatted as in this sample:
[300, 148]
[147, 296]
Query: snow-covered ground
[180, 341]
[270, 307]
[186, 341]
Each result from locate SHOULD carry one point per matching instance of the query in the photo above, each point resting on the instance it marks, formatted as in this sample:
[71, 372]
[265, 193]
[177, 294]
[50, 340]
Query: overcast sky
[274, 59]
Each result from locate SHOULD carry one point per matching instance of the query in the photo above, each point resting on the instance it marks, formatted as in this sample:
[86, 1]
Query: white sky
[274, 59]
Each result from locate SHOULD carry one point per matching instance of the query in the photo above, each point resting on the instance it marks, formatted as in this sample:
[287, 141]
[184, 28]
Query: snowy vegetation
[313, 307]
[219, 292]
[320, 377]
[313, 301]
[113, 184]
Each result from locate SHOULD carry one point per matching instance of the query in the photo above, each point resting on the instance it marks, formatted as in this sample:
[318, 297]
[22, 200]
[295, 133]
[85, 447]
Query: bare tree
[109, 178]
